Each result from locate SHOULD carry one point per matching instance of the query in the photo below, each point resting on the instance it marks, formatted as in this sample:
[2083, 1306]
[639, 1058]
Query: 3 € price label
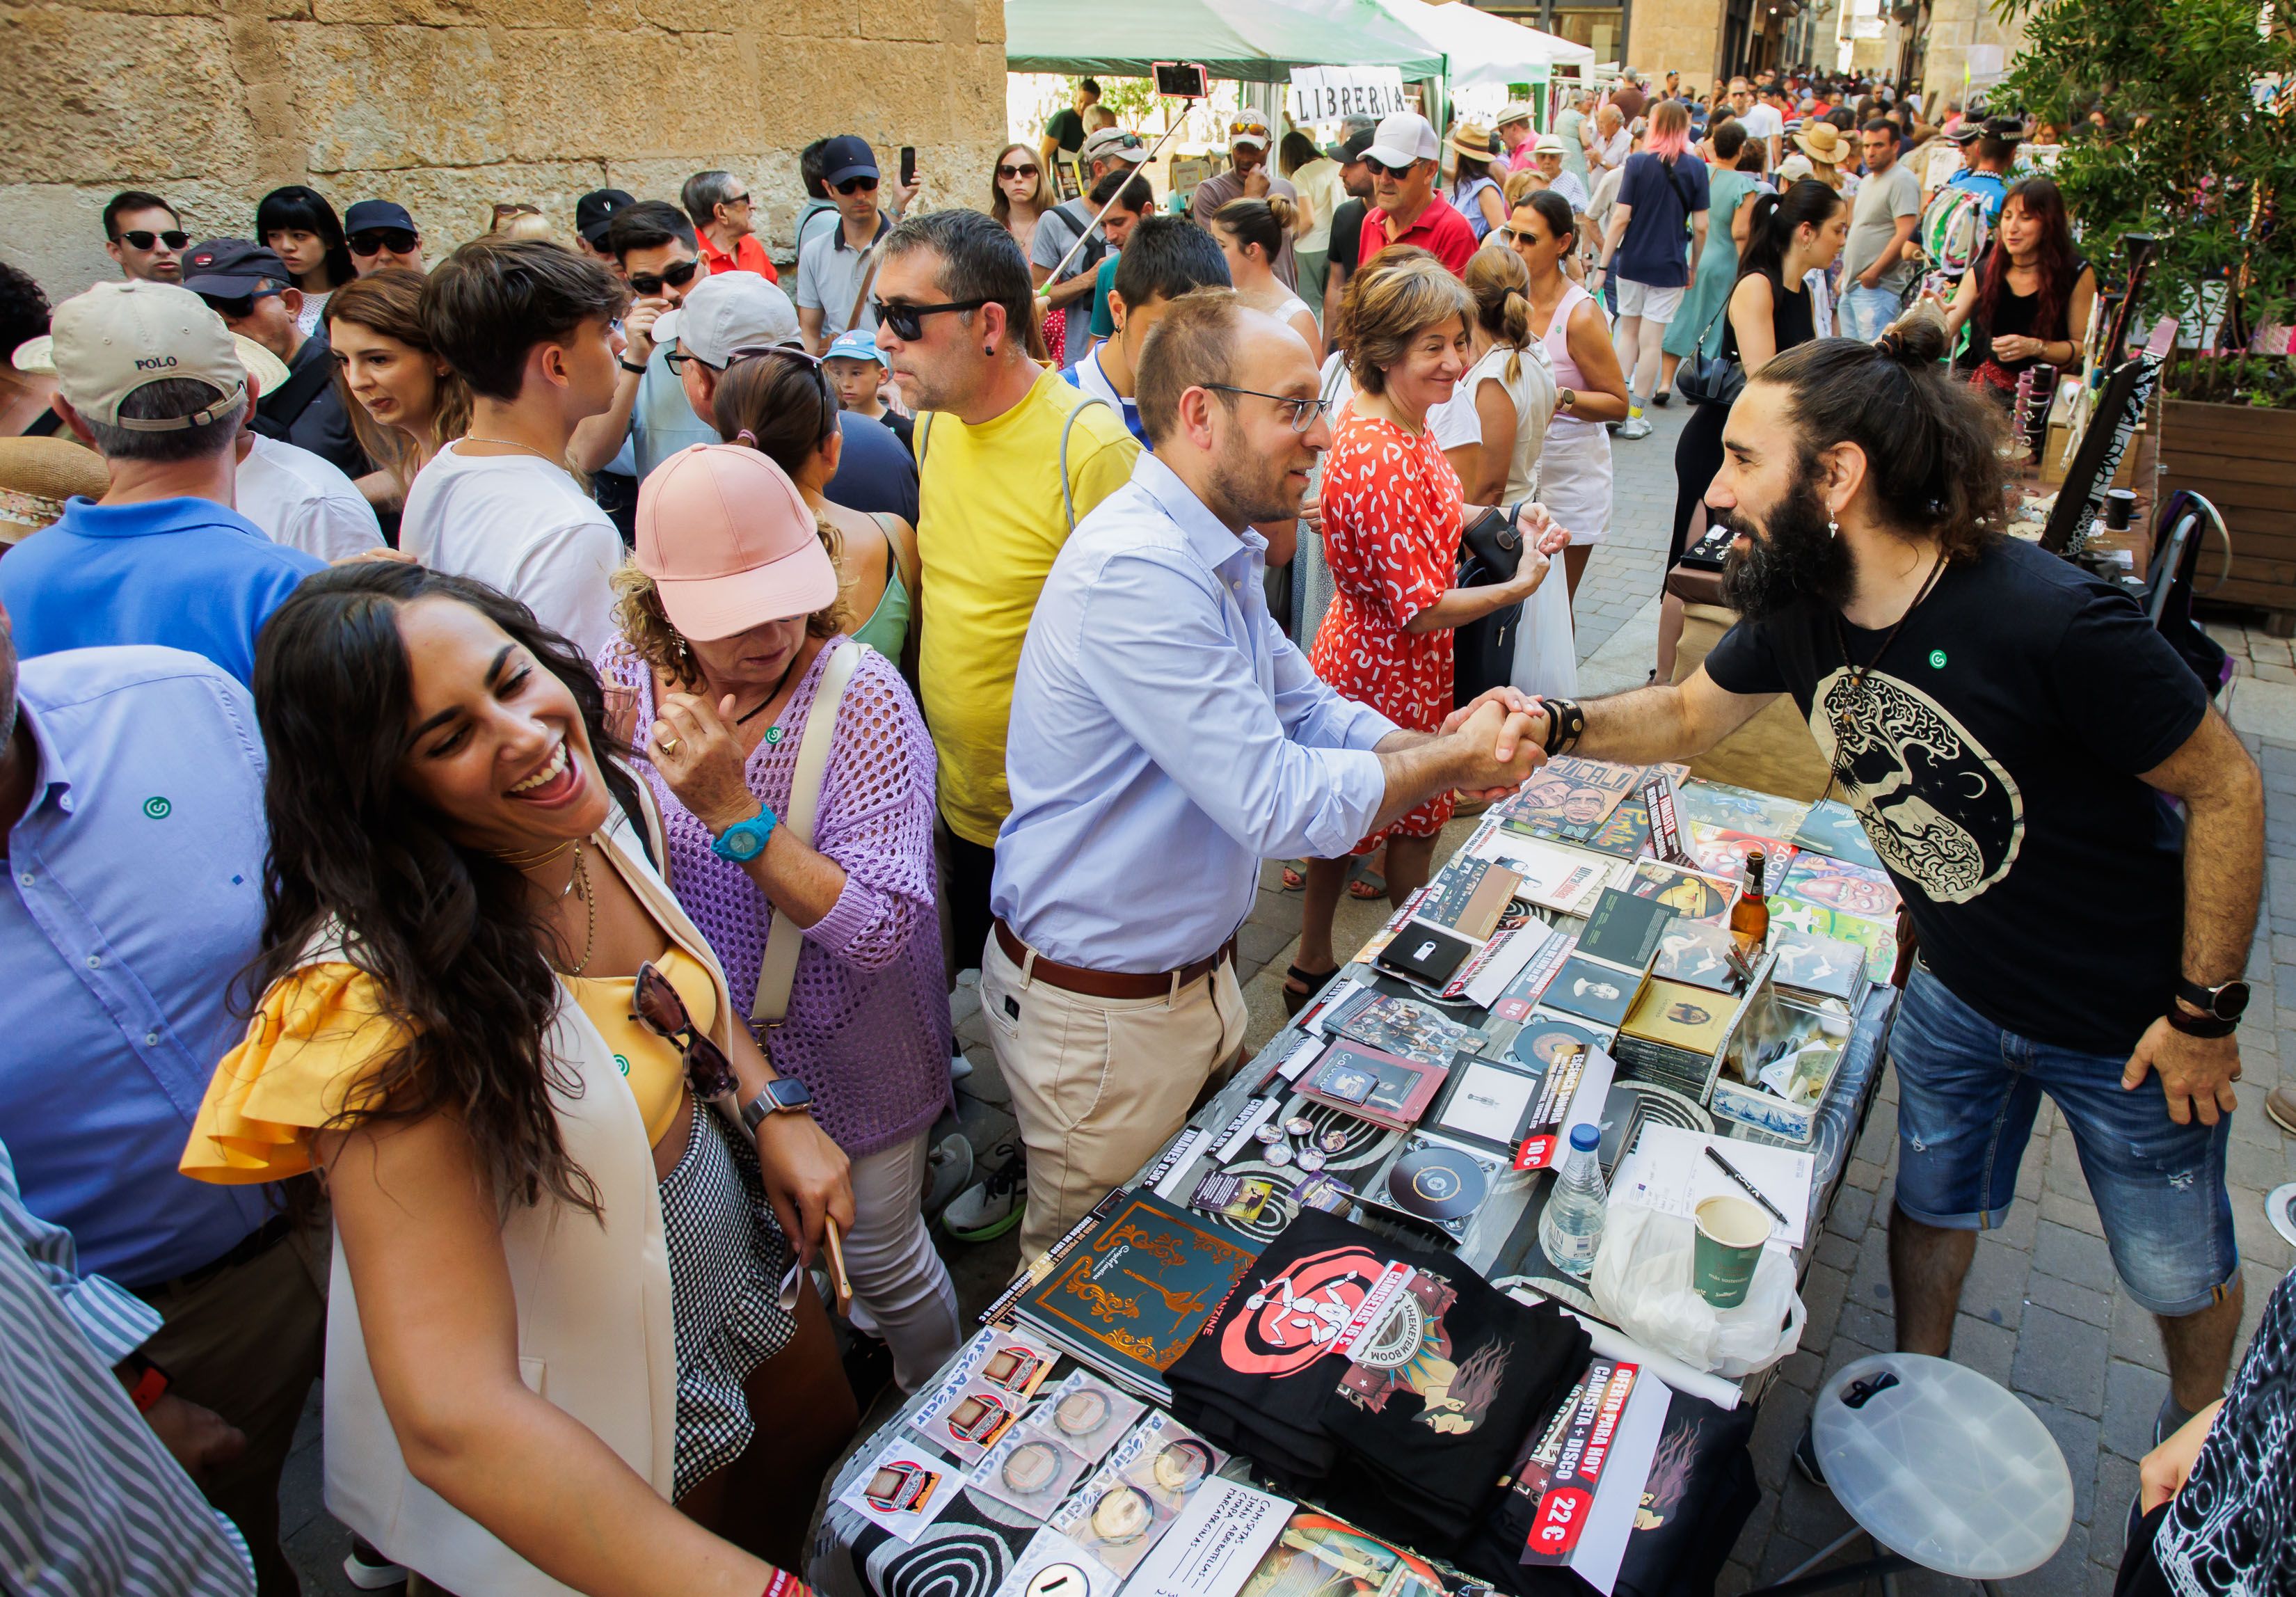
[1561, 1516]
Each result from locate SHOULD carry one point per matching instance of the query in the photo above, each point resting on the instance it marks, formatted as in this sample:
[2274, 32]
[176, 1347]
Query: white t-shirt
[304, 501]
[1763, 121]
[518, 524]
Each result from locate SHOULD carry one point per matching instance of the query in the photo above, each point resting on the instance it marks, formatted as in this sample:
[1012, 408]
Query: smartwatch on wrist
[2220, 1007]
[744, 840]
[785, 1095]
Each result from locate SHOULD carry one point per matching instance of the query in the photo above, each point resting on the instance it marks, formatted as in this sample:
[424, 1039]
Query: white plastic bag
[1545, 652]
[1642, 1284]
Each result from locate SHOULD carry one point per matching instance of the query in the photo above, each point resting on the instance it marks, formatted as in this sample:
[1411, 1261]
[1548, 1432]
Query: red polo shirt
[749, 256]
[1441, 231]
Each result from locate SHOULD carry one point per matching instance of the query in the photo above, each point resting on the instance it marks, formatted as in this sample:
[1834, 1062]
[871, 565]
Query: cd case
[1382, 1088]
[1437, 1181]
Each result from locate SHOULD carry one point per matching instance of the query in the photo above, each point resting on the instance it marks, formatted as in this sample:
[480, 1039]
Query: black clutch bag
[1494, 547]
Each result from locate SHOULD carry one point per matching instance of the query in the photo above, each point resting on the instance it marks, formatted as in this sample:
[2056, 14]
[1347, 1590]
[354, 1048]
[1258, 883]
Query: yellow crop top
[321, 1031]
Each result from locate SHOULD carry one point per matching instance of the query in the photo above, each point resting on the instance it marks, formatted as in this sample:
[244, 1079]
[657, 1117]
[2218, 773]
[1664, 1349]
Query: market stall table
[976, 1541]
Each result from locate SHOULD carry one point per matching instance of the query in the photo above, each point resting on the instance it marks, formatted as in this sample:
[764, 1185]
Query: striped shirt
[91, 1504]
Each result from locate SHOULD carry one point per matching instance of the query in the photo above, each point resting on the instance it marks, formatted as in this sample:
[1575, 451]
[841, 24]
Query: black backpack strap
[279, 409]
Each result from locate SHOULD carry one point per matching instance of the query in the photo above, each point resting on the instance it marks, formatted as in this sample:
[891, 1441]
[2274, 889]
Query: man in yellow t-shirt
[955, 305]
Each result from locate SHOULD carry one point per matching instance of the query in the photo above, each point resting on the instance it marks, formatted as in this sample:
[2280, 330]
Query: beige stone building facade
[448, 106]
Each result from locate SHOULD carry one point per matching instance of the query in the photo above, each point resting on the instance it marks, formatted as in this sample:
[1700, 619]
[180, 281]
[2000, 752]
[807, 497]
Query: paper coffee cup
[1730, 1232]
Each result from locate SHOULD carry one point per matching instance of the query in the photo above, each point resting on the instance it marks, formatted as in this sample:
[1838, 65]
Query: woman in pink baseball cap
[733, 646]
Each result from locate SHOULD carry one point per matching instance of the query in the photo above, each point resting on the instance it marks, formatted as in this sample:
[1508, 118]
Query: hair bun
[1915, 339]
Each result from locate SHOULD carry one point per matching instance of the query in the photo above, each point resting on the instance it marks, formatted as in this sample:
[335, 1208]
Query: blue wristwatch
[745, 839]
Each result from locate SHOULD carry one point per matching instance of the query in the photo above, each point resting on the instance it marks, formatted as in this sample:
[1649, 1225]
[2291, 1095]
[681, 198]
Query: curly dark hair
[23, 309]
[1932, 444]
[449, 933]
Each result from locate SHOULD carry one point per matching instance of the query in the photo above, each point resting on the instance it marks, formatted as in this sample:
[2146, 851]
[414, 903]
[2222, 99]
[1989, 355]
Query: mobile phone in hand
[908, 165]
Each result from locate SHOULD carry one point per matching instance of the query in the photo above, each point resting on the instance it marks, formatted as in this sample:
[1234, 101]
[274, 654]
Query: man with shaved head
[1166, 737]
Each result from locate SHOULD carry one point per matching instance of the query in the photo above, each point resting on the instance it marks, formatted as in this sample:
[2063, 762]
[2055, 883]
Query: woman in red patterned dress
[1392, 518]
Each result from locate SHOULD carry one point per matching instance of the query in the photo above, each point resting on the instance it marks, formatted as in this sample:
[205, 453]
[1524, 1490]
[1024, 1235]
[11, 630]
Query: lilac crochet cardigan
[868, 1030]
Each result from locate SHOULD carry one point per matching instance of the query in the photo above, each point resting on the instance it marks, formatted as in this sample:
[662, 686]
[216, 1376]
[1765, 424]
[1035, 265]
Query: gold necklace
[539, 857]
[581, 874]
[512, 444]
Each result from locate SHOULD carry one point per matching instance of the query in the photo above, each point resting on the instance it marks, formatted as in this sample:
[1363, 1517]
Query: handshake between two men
[1486, 748]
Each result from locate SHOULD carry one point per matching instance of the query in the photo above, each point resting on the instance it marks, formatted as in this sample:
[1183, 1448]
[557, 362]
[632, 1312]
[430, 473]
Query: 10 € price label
[1562, 1515]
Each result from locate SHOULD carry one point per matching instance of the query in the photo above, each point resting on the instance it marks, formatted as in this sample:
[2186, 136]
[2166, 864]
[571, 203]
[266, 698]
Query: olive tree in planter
[2171, 137]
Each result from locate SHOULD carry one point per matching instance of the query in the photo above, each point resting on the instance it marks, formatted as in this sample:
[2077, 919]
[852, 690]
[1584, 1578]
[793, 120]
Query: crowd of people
[458, 680]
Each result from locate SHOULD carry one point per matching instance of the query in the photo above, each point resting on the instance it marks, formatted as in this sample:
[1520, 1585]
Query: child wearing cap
[857, 369]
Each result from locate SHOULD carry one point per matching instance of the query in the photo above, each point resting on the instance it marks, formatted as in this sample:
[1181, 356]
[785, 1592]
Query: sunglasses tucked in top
[677, 274]
[655, 1005]
[139, 238]
[373, 241]
[907, 321]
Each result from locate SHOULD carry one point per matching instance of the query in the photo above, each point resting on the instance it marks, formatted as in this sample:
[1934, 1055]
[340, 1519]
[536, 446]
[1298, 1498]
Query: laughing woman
[556, 1305]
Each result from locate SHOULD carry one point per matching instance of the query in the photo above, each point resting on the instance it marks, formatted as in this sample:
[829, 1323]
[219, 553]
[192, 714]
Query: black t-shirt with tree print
[1993, 757]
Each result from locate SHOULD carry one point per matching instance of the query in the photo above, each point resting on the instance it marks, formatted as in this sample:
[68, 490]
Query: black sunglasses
[654, 1004]
[1377, 165]
[237, 307]
[138, 238]
[1010, 172]
[373, 241]
[908, 321]
[677, 275]
[853, 184]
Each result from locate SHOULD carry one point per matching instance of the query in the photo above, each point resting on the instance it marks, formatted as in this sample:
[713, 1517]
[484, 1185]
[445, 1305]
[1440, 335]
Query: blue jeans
[1967, 1092]
[1866, 313]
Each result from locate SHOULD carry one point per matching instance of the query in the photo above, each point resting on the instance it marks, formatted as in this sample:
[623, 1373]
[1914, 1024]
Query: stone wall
[1954, 26]
[449, 105]
[1677, 36]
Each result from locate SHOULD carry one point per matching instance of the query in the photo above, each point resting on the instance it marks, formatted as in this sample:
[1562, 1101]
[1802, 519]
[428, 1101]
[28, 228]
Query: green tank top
[888, 626]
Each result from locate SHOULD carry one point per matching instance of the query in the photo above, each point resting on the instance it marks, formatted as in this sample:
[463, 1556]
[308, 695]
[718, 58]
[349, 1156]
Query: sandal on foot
[1295, 875]
[1311, 981]
[1366, 885]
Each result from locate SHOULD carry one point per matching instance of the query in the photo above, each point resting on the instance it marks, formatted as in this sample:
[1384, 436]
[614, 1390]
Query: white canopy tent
[1486, 49]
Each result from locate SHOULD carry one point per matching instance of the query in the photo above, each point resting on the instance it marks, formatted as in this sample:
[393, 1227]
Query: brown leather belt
[1107, 984]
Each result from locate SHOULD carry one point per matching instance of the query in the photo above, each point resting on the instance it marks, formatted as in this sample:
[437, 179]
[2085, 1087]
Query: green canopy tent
[1252, 41]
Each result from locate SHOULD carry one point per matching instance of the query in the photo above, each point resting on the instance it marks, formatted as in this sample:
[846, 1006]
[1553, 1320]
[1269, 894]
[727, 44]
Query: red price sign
[1535, 1154]
[1562, 1515]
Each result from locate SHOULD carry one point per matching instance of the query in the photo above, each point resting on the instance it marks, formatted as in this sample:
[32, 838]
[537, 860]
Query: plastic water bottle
[1570, 1231]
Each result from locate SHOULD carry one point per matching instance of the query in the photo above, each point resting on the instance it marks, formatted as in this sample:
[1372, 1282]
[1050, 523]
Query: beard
[1247, 490]
[1792, 560]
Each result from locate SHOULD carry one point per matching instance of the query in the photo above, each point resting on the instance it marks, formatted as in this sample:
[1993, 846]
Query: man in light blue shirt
[131, 807]
[107, 1509]
[162, 557]
[1166, 737]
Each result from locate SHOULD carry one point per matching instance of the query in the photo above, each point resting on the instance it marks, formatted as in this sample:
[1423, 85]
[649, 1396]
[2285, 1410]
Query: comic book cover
[1839, 884]
[1741, 810]
[1832, 827]
[1879, 939]
[1723, 852]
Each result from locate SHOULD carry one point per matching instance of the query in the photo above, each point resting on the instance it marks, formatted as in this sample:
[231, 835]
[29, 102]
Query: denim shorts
[1967, 1092]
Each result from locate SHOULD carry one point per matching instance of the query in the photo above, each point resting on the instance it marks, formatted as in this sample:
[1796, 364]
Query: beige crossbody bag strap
[778, 969]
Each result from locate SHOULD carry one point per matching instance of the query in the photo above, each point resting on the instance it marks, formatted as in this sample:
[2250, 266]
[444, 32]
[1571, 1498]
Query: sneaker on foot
[369, 1570]
[948, 1171]
[2280, 1104]
[959, 1066]
[990, 1207]
[1635, 427]
[1805, 1457]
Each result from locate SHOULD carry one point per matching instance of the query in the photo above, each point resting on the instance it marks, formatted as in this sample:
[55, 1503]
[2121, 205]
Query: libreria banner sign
[1327, 93]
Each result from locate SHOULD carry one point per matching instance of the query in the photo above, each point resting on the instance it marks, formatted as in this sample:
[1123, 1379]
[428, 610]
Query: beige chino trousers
[1099, 1084]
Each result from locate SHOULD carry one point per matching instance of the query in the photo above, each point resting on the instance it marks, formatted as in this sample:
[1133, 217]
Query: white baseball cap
[118, 337]
[728, 311]
[1403, 138]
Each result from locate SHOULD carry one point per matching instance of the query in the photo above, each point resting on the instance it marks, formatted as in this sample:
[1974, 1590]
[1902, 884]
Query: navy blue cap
[377, 213]
[594, 210]
[847, 156]
[231, 268]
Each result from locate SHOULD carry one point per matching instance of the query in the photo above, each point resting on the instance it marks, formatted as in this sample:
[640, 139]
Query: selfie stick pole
[1112, 199]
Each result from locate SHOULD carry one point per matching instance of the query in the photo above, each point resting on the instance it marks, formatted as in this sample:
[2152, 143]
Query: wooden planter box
[2243, 460]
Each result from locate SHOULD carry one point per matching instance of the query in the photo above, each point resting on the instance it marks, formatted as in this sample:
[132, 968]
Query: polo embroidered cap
[118, 337]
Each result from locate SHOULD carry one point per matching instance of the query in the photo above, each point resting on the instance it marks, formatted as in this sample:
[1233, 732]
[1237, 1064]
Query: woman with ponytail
[1510, 391]
[1788, 236]
[1250, 235]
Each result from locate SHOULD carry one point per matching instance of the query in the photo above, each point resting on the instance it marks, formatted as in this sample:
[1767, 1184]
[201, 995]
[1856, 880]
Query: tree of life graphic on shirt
[1936, 804]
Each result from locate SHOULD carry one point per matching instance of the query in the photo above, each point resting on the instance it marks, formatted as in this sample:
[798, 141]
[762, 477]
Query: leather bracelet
[1566, 723]
[639, 370]
[2201, 1026]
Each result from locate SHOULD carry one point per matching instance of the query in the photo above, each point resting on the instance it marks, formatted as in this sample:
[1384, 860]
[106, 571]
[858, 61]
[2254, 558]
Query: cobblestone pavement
[2043, 1312]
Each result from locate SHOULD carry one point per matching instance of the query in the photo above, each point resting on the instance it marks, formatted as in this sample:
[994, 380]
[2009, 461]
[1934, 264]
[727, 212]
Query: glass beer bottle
[1749, 917]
